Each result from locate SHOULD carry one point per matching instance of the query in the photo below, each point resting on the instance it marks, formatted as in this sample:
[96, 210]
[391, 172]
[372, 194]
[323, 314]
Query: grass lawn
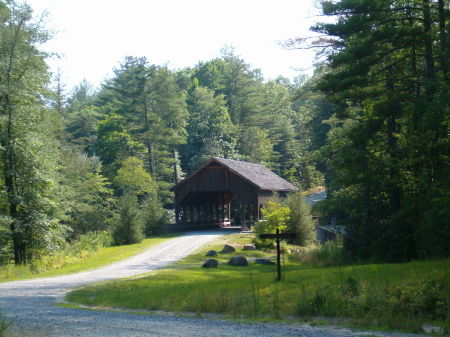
[96, 260]
[385, 296]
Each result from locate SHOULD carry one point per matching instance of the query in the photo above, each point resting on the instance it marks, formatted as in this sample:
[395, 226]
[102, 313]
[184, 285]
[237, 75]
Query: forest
[371, 124]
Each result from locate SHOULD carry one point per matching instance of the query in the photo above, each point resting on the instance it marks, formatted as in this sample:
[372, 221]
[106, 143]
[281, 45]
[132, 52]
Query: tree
[81, 96]
[388, 79]
[28, 150]
[132, 176]
[154, 113]
[300, 220]
[89, 200]
[276, 216]
[114, 144]
[129, 223]
[145, 213]
[210, 131]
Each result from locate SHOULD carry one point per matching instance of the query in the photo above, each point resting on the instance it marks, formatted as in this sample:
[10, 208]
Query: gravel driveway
[32, 302]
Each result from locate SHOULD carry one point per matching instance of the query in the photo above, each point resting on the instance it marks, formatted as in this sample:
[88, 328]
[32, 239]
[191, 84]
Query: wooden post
[242, 217]
[249, 216]
[278, 236]
[278, 255]
[191, 208]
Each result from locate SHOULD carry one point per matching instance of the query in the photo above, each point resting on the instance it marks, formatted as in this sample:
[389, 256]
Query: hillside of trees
[373, 123]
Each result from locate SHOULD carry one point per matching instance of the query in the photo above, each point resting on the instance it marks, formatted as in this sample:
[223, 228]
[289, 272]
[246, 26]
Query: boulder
[264, 261]
[238, 261]
[211, 253]
[210, 263]
[249, 247]
[228, 249]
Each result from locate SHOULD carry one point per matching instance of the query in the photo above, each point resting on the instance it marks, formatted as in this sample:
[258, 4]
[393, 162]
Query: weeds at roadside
[89, 252]
[4, 324]
[383, 296]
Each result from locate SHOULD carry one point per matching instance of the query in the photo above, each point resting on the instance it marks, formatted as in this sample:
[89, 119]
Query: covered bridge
[204, 197]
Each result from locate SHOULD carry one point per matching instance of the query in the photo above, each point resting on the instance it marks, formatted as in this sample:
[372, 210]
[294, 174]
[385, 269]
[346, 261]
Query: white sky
[95, 35]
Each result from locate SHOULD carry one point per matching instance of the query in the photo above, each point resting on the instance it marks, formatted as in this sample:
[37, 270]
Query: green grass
[383, 296]
[98, 259]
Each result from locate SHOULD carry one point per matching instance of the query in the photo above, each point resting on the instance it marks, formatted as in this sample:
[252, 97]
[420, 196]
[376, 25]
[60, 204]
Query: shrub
[300, 219]
[329, 254]
[129, 222]
[276, 215]
[420, 300]
[154, 216]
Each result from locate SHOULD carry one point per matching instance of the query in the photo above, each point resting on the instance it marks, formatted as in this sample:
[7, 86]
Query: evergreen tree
[129, 222]
[210, 131]
[154, 114]
[387, 77]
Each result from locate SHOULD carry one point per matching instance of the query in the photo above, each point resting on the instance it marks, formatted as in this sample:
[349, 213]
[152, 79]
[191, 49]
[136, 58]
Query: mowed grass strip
[98, 259]
[387, 296]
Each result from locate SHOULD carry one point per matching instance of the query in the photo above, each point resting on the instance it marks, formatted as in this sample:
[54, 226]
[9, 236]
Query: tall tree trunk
[395, 189]
[175, 168]
[443, 39]
[9, 179]
[429, 61]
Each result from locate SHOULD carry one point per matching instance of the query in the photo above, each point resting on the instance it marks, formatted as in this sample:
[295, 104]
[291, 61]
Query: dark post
[278, 236]
[278, 256]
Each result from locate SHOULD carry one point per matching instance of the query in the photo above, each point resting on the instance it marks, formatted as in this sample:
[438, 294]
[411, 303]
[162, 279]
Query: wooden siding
[218, 179]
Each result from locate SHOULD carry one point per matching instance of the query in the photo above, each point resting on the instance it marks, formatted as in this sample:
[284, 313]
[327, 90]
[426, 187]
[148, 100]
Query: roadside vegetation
[402, 297]
[4, 324]
[89, 252]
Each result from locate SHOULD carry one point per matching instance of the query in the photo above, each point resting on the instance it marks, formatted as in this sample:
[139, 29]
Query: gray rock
[238, 261]
[210, 263]
[228, 249]
[211, 253]
[264, 261]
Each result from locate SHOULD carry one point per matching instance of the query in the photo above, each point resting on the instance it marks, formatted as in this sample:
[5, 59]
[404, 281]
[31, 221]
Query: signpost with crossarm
[278, 236]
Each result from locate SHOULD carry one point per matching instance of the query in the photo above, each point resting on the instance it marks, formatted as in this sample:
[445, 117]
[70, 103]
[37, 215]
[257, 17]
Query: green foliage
[386, 157]
[5, 240]
[80, 249]
[129, 221]
[386, 296]
[81, 128]
[88, 203]
[275, 217]
[155, 216]
[416, 301]
[210, 131]
[114, 144]
[81, 258]
[4, 324]
[328, 254]
[29, 151]
[300, 219]
[132, 177]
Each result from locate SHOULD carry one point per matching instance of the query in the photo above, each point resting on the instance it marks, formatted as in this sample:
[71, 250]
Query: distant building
[203, 199]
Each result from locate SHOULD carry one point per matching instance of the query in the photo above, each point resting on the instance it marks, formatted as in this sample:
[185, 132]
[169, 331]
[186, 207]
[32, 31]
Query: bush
[300, 219]
[328, 254]
[79, 249]
[275, 215]
[406, 306]
[155, 217]
[129, 222]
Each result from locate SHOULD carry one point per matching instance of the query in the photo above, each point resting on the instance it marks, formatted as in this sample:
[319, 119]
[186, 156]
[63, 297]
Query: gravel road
[32, 303]
[315, 197]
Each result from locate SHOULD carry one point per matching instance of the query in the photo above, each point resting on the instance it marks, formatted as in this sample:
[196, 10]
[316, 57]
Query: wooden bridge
[203, 199]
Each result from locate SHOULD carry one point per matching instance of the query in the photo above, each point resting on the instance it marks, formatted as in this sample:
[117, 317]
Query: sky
[93, 36]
